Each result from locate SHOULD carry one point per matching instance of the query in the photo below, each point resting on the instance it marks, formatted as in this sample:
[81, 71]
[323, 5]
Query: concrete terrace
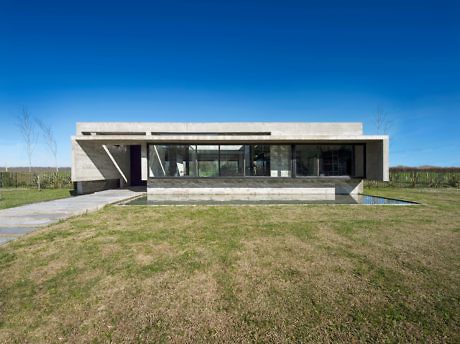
[18, 221]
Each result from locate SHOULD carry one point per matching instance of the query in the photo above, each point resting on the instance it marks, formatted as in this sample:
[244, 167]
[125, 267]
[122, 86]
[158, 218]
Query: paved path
[18, 221]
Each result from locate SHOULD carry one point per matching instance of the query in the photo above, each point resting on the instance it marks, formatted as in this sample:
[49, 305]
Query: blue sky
[70, 61]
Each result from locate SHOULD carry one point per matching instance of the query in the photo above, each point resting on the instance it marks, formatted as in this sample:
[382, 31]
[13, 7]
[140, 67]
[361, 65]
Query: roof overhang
[136, 139]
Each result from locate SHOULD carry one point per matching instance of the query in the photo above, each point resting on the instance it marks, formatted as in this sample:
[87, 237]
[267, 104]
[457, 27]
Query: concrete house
[242, 160]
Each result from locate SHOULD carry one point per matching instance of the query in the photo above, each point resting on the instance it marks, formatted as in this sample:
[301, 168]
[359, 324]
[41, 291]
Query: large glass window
[168, 160]
[280, 161]
[323, 160]
[307, 160]
[207, 160]
[257, 159]
[171, 160]
[231, 160]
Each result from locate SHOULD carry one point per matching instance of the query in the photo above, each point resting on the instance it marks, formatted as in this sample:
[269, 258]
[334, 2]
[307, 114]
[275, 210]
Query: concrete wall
[93, 161]
[275, 128]
[96, 185]
[340, 185]
[377, 163]
[351, 187]
[359, 161]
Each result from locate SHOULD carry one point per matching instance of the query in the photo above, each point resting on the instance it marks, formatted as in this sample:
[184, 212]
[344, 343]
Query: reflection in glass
[257, 160]
[231, 160]
[323, 160]
[171, 160]
[280, 161]
[192, 161]
[168, 160]
[207, 160]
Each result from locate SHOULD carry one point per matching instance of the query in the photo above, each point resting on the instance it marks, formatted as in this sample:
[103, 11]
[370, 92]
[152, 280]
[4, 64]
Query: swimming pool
[338, 199]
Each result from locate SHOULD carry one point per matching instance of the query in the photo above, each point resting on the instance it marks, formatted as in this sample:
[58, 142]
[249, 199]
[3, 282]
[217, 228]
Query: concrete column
[386, 160]
[144, 167]
[377, 165]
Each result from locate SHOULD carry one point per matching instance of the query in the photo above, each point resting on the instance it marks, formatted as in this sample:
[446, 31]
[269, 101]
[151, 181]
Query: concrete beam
[135, 139]
[144, 160]
[275, 128]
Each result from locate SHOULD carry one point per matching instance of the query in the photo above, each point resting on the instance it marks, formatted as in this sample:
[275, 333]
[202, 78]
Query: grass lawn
[294, 273]
[14, 197]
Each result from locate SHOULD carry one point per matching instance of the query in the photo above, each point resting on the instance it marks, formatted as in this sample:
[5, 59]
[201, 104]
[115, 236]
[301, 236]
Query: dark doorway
[136, 172]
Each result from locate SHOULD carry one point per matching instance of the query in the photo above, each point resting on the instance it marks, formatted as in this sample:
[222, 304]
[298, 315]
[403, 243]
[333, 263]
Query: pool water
[338, 199]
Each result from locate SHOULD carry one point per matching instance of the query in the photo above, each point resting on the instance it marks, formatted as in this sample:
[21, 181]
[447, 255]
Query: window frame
[293, 161]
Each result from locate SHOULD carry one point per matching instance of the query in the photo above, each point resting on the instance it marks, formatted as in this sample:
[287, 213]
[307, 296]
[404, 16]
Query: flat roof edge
[221, 128]
[229, 138]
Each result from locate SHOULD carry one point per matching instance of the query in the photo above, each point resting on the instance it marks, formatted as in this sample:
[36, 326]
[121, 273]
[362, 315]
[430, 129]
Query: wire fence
[435, 178]
[41, 180]
[399, 178]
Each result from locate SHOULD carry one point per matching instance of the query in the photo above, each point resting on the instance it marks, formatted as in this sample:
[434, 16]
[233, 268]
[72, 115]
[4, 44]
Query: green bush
[419, 178]
[45, 180]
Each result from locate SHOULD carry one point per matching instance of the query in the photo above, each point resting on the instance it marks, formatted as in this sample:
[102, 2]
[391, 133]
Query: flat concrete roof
[229, 138]
[221, 128]
[222, 132]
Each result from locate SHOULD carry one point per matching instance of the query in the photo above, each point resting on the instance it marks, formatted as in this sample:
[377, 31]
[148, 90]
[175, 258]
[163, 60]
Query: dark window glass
[324, 160]
[359, 161]
[257, 160]
[336, 160]
[168, 160]
[231, 160]
[207, 160]
[307, 160]
[192, 161]
[280, 161]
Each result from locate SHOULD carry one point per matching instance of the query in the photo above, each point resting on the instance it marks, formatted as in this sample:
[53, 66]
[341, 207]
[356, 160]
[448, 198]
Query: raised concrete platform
[242, 191]
[241, 194]
[243, 197]
[18, 221]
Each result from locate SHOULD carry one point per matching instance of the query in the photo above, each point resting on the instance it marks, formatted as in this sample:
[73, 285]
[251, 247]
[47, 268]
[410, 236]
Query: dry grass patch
[239, 274]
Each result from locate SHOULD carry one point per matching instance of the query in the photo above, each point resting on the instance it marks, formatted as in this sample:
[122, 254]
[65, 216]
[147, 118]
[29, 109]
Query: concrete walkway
[21, 220]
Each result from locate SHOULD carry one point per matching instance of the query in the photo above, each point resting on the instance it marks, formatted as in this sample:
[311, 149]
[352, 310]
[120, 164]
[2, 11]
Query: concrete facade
[102, 156]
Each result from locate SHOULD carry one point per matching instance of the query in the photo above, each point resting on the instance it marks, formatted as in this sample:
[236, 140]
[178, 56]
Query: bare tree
[28, 132]
[383, 122]
[50, 140]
